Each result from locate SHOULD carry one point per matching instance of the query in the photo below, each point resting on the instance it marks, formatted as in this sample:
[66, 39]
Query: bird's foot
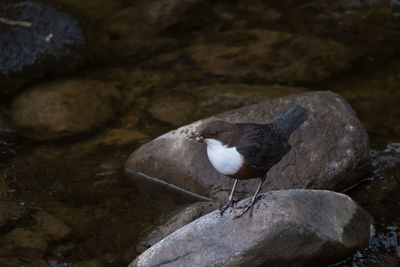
[245, 209]
[248, 207]
[228, 204]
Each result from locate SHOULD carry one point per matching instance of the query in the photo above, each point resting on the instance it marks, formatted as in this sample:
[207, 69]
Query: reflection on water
[78, 186]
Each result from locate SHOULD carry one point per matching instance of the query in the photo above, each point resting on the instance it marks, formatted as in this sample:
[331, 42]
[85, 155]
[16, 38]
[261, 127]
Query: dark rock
[53, 42]
[90, 263]
[183, 217]
[50, 225]
[10, 211]
[288, 228]
[8, 138]
[329, 151]
[65, 108]
[137, 31]
[14, 262]
[274, 57]
[27, 238]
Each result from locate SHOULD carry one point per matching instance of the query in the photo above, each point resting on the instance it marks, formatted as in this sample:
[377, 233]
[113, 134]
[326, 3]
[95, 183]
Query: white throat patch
[225, 160]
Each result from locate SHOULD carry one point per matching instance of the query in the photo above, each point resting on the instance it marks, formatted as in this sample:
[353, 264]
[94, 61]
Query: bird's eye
[215, 132]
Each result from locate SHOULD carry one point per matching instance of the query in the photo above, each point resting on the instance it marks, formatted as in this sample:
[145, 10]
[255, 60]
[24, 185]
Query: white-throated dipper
[247, 150]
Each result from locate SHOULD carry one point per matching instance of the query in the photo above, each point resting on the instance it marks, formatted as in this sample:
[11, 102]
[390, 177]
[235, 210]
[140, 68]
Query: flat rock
[274, 57]
[288, 228]
[65, 108]
[329, 151]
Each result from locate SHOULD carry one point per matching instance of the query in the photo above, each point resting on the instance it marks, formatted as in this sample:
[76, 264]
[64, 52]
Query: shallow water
[81, 181]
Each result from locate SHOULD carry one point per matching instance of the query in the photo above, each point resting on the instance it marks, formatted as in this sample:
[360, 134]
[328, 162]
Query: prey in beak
[196, 136]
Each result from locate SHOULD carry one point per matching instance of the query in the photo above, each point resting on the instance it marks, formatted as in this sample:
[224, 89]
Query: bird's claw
[228, 204]
[245, 209]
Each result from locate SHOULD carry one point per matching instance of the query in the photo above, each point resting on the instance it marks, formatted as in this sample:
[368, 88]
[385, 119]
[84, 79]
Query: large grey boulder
[289, 227]
[329, 151]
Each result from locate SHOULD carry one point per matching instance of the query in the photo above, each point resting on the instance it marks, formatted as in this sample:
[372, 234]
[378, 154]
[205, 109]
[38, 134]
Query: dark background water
[81, 181]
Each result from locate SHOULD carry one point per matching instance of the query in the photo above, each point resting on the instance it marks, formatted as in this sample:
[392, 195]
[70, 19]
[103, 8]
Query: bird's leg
[253, 200]
[230, 199]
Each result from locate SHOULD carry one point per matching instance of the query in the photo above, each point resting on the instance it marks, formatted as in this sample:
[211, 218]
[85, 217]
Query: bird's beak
[196, 136]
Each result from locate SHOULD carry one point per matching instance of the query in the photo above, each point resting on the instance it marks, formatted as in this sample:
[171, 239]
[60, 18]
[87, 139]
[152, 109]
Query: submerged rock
[137, 31]
[288, 227]
[329, 151]
[51, 41]
[65, 108]
[27, 238]
[51, 225]
[275, 57]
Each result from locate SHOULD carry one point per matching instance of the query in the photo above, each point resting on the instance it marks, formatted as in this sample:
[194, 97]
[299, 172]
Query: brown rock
[132, 33]
[288, 228]
[28, 238]
[271, 56]
[51, 225]
[329, 151]
[65, 108]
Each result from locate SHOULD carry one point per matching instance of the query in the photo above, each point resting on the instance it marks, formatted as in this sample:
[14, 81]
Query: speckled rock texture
[288, 228]
[53, 42]
[329, 151]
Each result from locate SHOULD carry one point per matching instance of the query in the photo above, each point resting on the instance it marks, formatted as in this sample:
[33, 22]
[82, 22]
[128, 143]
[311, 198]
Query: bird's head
[212, 130]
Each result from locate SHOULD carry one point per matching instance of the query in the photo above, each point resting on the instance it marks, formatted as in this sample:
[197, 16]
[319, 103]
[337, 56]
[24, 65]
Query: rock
[28, 238]
[329, 151]
[136, 32]
[171, 110]
[274, 57]
[65, 108]
[8, 139]
[51, 225]
[10, 211]
[340, 18]
[185, 216]
[54, 42]
[90, 263]
[14, 262]
[3, 192]
[288, 228]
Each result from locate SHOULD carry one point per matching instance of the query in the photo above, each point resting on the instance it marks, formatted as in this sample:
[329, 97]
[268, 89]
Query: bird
[245, 151]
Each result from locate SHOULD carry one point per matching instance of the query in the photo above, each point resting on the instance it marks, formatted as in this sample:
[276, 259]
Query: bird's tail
[291, 118]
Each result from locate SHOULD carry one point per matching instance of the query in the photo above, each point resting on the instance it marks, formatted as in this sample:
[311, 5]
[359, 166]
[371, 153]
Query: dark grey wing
[263, 153]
